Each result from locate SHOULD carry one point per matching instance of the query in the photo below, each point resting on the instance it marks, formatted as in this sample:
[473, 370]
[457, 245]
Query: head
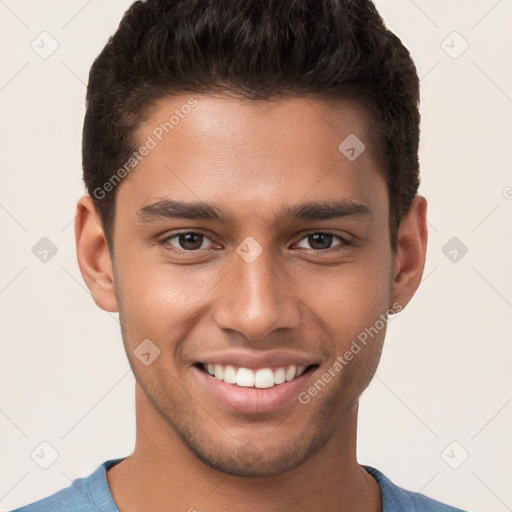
[293, 128]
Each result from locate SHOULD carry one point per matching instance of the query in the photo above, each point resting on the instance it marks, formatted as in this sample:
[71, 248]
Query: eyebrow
[315, 210]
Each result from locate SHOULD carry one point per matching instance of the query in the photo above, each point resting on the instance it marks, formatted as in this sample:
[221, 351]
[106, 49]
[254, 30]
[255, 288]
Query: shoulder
[88, 494]
[396, 499]
[58, 502]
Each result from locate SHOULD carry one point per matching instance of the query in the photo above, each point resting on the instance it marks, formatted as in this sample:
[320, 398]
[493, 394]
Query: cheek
[155, 296]
[354, 297]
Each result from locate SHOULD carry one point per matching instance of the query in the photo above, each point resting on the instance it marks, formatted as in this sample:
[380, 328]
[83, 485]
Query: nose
[256, 298]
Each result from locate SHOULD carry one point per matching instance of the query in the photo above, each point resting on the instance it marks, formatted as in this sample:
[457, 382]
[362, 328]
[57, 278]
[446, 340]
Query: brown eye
[190, 241]
[187, 241]
[323, 241]
[320, 241]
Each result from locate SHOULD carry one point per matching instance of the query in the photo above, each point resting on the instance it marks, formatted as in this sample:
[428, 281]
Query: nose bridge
[256, 299]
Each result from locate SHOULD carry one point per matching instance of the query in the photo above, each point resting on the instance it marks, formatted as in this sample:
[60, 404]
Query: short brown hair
[259, 49]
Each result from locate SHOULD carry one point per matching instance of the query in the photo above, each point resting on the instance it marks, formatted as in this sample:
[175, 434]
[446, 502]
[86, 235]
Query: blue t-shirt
[92, 494]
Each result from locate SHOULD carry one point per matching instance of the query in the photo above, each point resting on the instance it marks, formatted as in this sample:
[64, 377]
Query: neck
[162, 470]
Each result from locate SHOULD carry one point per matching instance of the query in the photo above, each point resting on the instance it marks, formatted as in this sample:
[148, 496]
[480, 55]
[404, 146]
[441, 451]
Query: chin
[249, 461]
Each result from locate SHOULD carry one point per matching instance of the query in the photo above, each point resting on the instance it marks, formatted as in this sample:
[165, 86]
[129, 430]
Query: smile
[262, 378]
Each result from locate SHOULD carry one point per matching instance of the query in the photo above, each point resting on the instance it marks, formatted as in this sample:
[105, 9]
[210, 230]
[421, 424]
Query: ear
[409, 260]
[93, 255]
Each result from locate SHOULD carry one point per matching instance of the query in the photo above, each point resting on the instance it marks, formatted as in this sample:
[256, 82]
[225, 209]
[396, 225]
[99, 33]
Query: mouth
[255, 382]
[251, 387]
[257, 378]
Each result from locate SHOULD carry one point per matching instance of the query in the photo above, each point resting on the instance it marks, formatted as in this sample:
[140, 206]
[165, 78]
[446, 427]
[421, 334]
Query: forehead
[245, 154]
[278, 123]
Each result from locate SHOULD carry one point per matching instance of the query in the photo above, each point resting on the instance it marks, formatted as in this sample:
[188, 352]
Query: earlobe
[409, 260]
[93, 255]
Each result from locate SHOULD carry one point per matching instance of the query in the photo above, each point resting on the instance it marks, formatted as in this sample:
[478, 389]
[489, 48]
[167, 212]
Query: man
[253, 216]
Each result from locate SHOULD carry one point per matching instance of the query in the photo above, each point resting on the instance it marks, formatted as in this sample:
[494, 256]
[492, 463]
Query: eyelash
[339, 247]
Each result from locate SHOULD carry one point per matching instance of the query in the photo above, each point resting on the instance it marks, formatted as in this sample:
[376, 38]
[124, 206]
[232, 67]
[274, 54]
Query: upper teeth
[262, 378]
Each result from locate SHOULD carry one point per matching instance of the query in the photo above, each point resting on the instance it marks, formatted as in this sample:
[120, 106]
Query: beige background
[445, 374]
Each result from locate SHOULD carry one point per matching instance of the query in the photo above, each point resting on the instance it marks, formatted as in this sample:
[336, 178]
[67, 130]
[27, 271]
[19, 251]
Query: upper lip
[254, 359]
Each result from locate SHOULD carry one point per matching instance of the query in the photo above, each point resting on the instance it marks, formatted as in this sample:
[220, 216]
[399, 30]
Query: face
[248, 246]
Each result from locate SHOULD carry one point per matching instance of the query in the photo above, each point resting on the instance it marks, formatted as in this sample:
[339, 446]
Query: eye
[322, 241]
[187, 241]
[192, 241]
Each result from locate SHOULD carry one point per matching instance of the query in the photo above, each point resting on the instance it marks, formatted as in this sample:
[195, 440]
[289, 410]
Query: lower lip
[252, 400]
